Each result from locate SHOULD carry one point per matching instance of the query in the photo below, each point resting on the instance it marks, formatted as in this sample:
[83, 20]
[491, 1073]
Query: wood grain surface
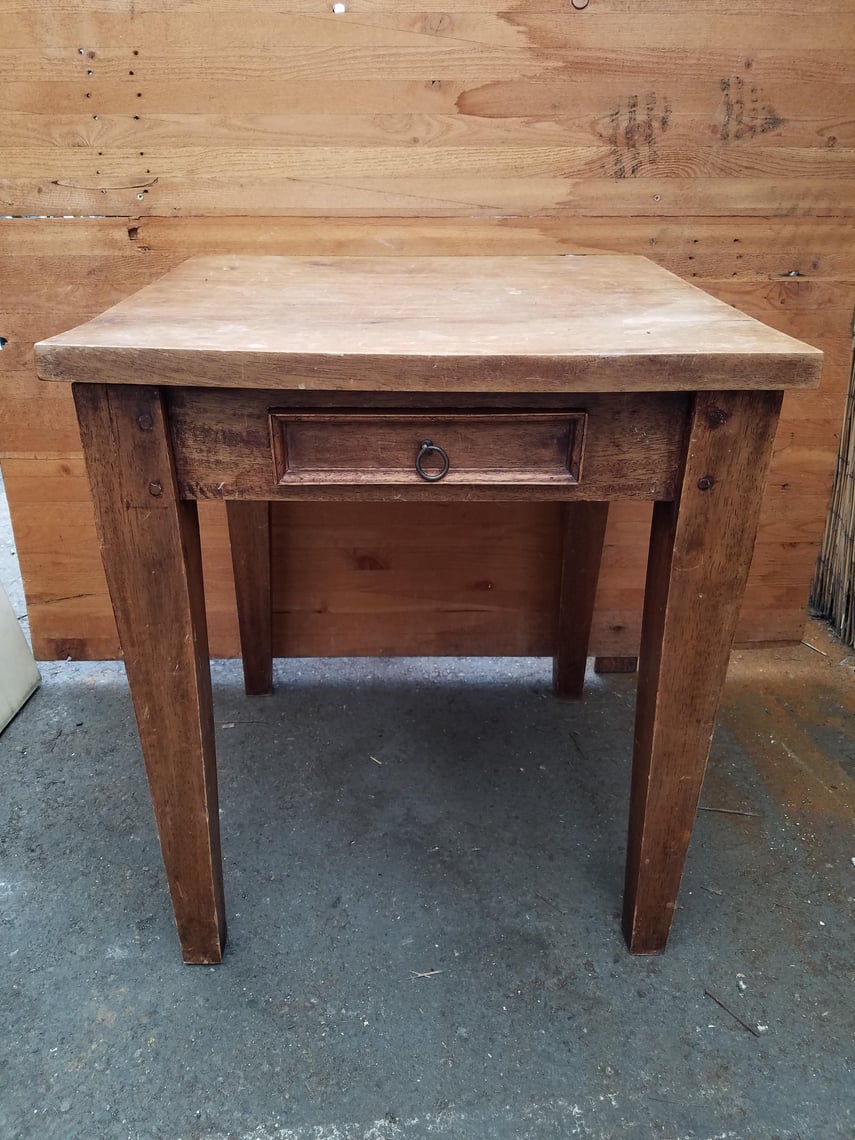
[700, 552]
[356, 448]
[249, 539]
[584, 531]
[422, 109]
[437, 324]
[150, 542]
[631, 445]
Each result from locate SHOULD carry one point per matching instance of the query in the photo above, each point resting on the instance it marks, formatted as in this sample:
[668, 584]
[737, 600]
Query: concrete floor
[384, 820]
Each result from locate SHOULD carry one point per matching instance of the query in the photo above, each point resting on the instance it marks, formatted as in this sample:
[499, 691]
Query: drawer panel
[632, 446]
[470, 448]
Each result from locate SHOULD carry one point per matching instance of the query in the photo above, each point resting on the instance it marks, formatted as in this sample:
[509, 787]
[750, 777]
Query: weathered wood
[214, 30]
[490, 109]
[381, 8]
[249, 538]
[700, 553]
[411, 578]
[224, 445]
[615, 664]
[584, 526]
[150, 547]
[119, 255]
[701, 541]
[435, 123]
[591, 190]
[523, 448]
[534, 324]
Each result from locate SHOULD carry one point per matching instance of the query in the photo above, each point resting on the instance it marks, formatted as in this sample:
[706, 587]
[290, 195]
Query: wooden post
[584, 530]
[150, 549]
[700, 553]
[249, 536]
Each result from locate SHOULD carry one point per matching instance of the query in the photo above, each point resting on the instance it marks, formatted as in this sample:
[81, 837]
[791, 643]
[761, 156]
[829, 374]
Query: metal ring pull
[428, 448]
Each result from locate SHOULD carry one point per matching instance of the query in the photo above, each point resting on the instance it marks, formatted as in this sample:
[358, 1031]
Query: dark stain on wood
[436, 23]
[368, 561]
[744, 115]
[69, 648]
[633, 129]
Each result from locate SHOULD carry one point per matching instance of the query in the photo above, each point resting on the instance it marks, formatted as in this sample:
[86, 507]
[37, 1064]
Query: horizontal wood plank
[420, 195]
[118, 140]
[116, 256]
[206, 32]
[250, 8]
[533, 108]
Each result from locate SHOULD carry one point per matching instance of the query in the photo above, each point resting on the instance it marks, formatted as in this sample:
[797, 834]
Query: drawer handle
[428, 448]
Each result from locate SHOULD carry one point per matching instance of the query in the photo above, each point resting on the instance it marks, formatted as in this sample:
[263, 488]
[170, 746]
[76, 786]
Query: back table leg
[583, 534]
[700, 553]
[150, 548]
[249, 536]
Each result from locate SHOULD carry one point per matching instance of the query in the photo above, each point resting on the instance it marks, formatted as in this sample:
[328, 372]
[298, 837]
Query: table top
[603, 323]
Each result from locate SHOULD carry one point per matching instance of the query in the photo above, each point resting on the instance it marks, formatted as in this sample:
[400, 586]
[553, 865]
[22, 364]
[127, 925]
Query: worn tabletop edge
[112, 347]
[630, 372]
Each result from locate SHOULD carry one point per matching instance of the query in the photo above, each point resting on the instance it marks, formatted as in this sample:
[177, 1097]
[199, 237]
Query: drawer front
[471, 448]
[222, 445]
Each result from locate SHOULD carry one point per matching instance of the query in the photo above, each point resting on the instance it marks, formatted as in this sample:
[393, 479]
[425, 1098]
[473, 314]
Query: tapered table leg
[150, 548]
[700, 554]
[584, 530]
[249, 536]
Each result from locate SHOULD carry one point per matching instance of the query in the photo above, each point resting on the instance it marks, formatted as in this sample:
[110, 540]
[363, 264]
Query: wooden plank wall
[716, 139]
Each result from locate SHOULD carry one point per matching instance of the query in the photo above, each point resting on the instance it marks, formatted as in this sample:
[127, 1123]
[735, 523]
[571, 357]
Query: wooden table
[577, 379]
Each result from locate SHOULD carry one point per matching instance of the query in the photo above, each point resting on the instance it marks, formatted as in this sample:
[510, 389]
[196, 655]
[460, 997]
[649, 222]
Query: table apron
[224, 449]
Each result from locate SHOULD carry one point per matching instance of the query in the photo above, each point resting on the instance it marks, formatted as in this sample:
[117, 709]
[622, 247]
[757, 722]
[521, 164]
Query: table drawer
[354, 447]
[350, 448]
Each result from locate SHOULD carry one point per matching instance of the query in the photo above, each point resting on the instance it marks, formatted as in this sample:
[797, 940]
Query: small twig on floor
[425, 973]
[712, 890]
[374, 758]
[53, 740]
[730, 811]
[751, 1028]
[548, 902]
[814, 648]
[783, 906]
[577, 745]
